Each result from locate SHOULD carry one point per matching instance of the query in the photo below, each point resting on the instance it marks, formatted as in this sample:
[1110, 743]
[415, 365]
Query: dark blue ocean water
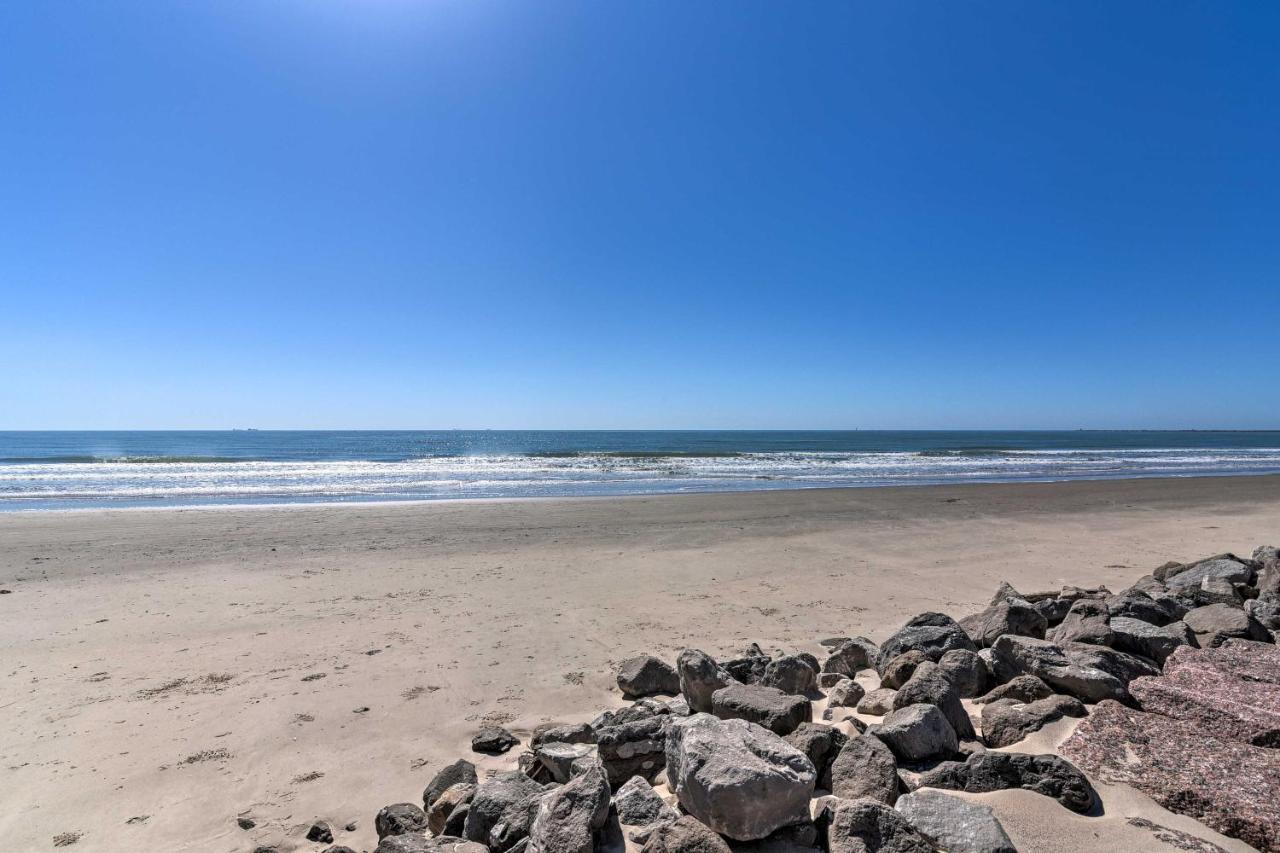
[55, 470]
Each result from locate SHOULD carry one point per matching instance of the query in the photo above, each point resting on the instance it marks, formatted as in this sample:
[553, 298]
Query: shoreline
[342, 503]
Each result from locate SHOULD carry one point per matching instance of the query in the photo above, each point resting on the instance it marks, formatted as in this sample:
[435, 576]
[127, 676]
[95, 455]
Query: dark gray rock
[848, 693]
[953, 824]
[459, 771]
[851, 656]
[638, 804]
[631, 749]
[865, 767]
[748, 670]
[790, 839]
[932, 634]
[1148, 640]
[917, 733]
[736, 777]
[1136, 604]
[398, 819]
[820, 744]
[792, 674]
[1023, 688]
[929, 686]
[700, 676]
[867, 826]
[646, 675]
[777, 711]
[415, 842]
[897, 671]
[878, 702]
[685, 835]
[493, 740]
[558, 758]
[444, 805]
[1054, 610]
[1088, 621]
[1226, 567]
[320, 832]
[1007, 721]
[568, 817]
[502, 810]
[1214, 623]
[1266, 612]
[1049, 662]
[997, 771]
[965, 670]
[1007, 617]
[572, 733]
[1121, 665]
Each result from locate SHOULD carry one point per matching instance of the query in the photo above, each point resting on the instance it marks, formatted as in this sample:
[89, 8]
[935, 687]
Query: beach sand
[168, 671]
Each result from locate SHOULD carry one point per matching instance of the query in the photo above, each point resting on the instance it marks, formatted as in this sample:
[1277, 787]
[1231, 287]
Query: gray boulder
[700, 676]
[820, 744]
[1023, 688]
[569, 733]
[846, 694]
[877, 703]
[736, 777]
[1012, 616]
[867, 826]
[569, 816]
[865, 767]
[459, 771]
[1136, 604]
[443, 806]
[1148, 640]
[637, 748]
[399, 819]
[965, 670]
[1226, 567]
[646, 675]
[851, 656]
[416, 842]
[1264, 611]
[1123, 666]
[502, 810]
[1007, 721]
[928, 685]
[897, 671]
[1048, 775]
[1049, 662]
[1054, 610]
[558, 758]
[931, 634]
[638, 804]
[953, 824]
[1214, 623]
[777, 711]
[792, 674]
[917, 733]
[493, 740]
[1088, 621]
[685, 835]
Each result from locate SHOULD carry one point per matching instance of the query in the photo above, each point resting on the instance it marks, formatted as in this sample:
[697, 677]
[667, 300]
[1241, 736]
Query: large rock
[899, 670]
[953, 824]
[820, 744]
[1227, 785]
[1147, 639]
[493, 740]
[877, 703]
[700, 676]
[917, 733]
[865, 767]
[847, 693]
[931, 634]
[502, 810]
[399, 819]
[569, 816]
[443, 806]
[1214, 623]
[637, 748]
[736, 777]
[685, 835]
[1049, 662]
[1007, 721]
[1088, 621]
[1136, 604]
[557, 759]
[793, 674]
[965, 670]
[639, 804]
[777, 711]
[928, 685]
[1220, 700]
[1244, 659]
[646, 675]
[1121, 665]
[1023, 688]
[1228, 569]
[997, 771]
[460, 771]
[851, 656]
[1012, 616]
[867, 826]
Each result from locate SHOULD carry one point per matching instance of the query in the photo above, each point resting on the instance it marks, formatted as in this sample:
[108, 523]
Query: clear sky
[384, 213]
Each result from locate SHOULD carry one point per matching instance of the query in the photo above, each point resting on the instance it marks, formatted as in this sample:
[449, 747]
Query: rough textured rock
[1174, 838]
[846, 694]
[1243, 658]
[1225, 568]
[865, 767]
[320, 832]
[1121, 665]
[953, 824]
[638, 804]
[931, 634]
[444, 805]
[929, 686]
[1227, 785]
[1214, 623]
[750, 668]
[502, 810]
[851, 656]
[867, 826]
[1149, 640]
[631, 749]
[791, 839]
[1218, 699]
[1049, 662]
[820, 744]
[1013, 616]
[558, 758]
[418, 843]
[1266, 612]
[685, 835]
[570, 733]
[700, 676]
[569, 816]
[792, 674]
[1135, 604]
[917, 733]
[878, 702]
[741, 780]
[777, 711]
[398, 819]
[493, 740]
[459, 771]
[900, 669]
[1023, 688]
[1088, 621]
[1007, 721]
[965, 670]
[646, 675]
[997, 771]
[1054, 610]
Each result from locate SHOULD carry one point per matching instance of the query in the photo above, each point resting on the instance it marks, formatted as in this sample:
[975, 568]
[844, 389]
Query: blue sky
[384, 213]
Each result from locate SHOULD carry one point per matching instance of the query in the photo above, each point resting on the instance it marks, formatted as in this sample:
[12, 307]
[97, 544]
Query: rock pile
[1177, 680]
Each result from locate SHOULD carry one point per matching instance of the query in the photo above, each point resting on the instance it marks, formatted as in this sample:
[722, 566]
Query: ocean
[62, 470]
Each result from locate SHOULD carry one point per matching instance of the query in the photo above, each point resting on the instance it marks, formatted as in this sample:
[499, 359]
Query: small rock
[320, 832]
[848, 693]
[246, 822]
[931, 634]
[953, 824]
[851, 656]
[820, 744]
[700, 676]
[399, 819]
[575, 733]
[460, 771]
[685, 835]
[1007, 721]
[792, 674]
[917, 733]
[865, 767]
[639, 805]
[899, 670]
[493, 740]
[866, 826]
[646, 675]
[440, 810]
[877, 703]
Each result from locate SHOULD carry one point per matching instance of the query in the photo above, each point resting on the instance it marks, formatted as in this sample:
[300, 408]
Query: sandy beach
[167, 671]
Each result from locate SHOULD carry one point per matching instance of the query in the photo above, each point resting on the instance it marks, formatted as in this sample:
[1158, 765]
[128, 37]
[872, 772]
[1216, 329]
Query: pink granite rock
[1227, 785]
[1219, 703]
[1245, 659]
